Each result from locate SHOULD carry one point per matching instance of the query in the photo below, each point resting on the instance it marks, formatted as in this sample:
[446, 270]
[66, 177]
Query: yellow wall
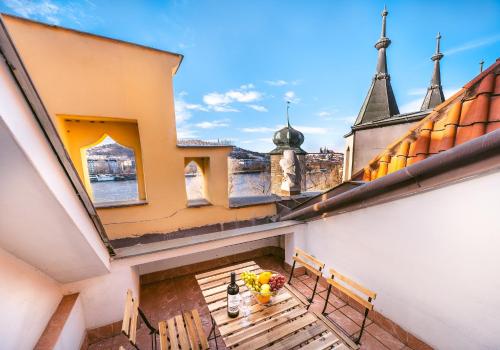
[84, 76]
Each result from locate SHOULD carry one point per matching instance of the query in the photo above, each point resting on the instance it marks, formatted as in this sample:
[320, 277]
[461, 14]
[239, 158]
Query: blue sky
[243, 59]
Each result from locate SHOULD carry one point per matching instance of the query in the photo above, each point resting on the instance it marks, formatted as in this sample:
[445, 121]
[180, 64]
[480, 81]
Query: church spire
[434, 94]
[380, 102]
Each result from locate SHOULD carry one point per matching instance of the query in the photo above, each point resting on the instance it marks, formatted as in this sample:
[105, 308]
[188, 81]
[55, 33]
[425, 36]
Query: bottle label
[233, 303]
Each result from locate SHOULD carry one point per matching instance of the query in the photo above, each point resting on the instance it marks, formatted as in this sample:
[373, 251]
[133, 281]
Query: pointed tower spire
[434, 94]
[380, 102]
[287, 115]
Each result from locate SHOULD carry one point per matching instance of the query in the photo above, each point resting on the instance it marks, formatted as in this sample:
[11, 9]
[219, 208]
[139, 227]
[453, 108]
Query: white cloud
[44, 9]
[213, 124]
[247, 86]
[53, 12]
[412, 106]
[473, 45]
[348, 120]
[224, 109]
[276, 82]
[215, 98]
[324, 114]
[243, 97]
[281, 82]
[259, 129]
[221, 102]
[450, 92]
[186, 132]
[417, 92]
[258, 108]
[259, 144]
[312, 130]
[183, 109]
[416, 103]
[291, 96]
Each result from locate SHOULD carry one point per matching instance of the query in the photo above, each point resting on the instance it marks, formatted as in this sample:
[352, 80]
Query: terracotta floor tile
[310, 283]
[302, 288]
[344, 322]
[302, 277]
[384, 337]
[333, 299]
[354, 315]
[105, 344]
[368, 342]
[318, 305]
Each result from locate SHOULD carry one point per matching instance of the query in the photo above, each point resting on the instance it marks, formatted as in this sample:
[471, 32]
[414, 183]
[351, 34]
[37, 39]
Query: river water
[253, 184]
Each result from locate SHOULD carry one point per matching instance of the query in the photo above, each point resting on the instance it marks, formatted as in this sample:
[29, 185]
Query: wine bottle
[233, 297]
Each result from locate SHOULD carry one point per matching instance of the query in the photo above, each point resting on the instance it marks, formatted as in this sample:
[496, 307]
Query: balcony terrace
[161, 300]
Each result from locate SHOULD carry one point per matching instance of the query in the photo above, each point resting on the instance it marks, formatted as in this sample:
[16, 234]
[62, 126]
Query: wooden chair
[310, 263]
[183, 332]
[353, 293]
[131, 318]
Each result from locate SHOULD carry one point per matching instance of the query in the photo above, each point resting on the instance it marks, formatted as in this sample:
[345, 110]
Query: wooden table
[284, 324]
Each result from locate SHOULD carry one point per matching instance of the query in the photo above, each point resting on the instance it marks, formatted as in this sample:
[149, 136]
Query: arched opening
[112, 171]
[195, 182]
[347, 164]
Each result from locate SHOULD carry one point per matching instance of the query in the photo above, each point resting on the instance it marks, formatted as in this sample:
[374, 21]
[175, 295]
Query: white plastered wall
[103, 297]
[432, 258]
[28, 298]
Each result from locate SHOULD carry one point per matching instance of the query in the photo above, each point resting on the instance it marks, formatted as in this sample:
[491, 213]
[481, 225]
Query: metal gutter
[398, 119]
[26, 86]
[472, 151]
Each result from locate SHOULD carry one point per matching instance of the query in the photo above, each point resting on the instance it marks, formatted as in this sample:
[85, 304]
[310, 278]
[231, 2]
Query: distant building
[379, 121]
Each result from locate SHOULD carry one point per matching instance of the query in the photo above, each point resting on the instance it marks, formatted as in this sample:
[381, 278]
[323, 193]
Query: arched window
[196, 181]
[112, 172]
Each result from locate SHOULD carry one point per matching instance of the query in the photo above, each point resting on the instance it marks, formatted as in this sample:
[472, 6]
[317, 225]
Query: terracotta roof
[471, 112]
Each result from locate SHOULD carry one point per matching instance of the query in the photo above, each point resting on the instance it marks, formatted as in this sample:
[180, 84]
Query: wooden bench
[131, 319]
[354, 293]
[183, 332]
[311, 264]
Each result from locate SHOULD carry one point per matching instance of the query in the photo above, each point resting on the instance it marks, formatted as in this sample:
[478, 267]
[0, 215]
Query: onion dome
[288, 138]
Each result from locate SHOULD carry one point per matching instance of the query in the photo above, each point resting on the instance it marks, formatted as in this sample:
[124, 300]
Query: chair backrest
[312, 264]
[354, 291]
[130, 317]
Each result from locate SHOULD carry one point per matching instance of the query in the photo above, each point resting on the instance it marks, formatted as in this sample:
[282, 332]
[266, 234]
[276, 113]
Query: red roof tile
[471, 112]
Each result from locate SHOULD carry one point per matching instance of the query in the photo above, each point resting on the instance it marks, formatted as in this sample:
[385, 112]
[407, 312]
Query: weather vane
[287, 115]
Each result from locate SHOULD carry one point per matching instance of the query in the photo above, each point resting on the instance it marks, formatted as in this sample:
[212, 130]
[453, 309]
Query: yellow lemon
[265, 288]
[264, 277]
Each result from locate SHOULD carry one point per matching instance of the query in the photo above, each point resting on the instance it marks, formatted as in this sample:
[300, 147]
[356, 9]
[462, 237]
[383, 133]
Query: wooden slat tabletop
[283, 324]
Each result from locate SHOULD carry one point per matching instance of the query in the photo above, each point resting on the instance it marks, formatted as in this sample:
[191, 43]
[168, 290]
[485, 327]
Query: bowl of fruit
[264, 285]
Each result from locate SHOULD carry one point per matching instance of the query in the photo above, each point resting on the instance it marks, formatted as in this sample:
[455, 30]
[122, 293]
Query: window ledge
[196, 203]
[120, 204]
[239, 202]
